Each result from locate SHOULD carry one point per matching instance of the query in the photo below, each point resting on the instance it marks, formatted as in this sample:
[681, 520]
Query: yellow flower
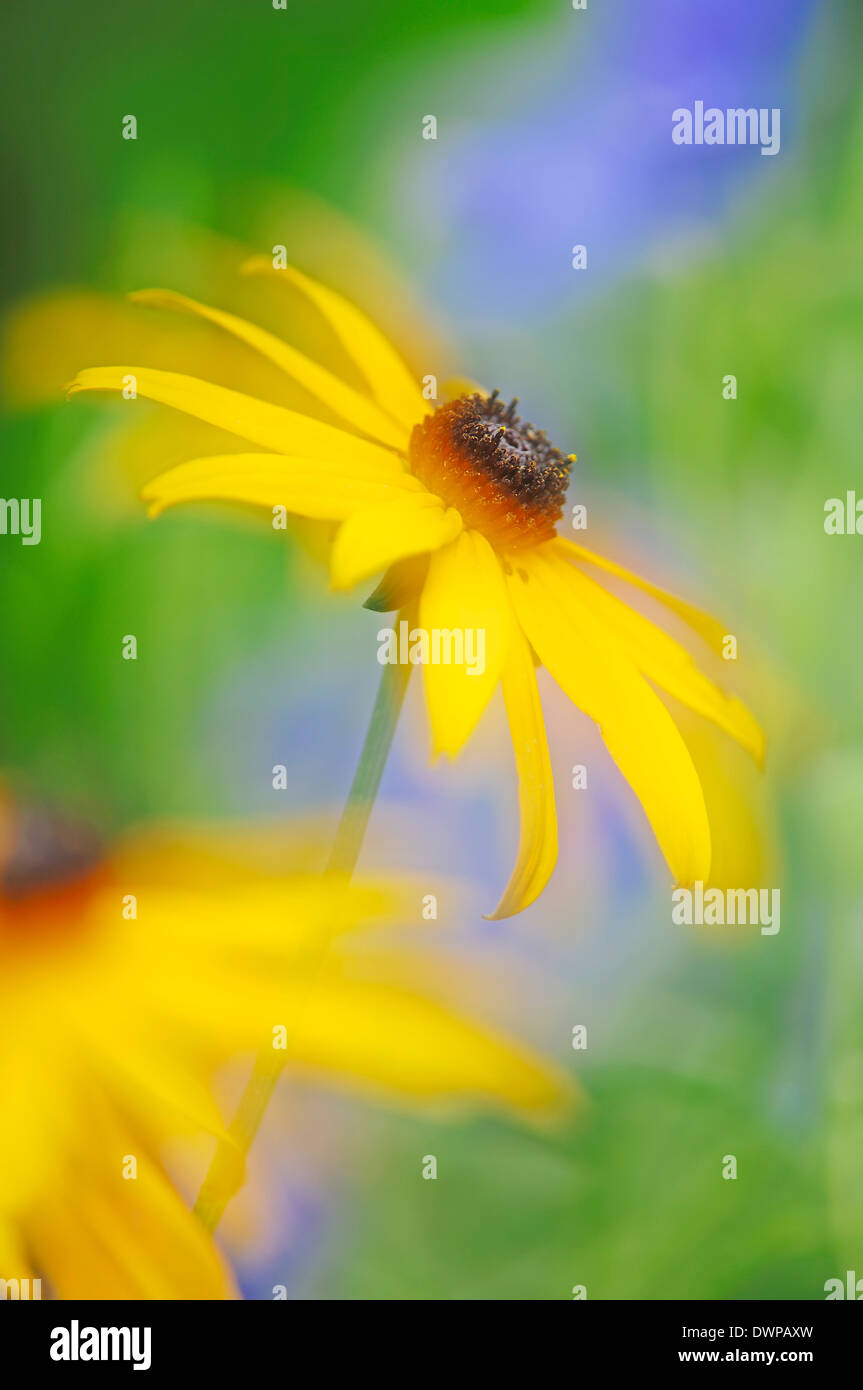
[458, 506]
[113, 1026]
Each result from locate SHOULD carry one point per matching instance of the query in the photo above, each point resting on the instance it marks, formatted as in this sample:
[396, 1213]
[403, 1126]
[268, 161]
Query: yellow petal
[537, 850]
[132, 1239]
[321, 488]
[742, 822]
[707, 627]
[154, 1078]
[269, 426]
[281, 917]
[14, 1263]
[355, 409]
[401, 1042]
[464, 594]
[374, 538]
[46, 338]
[637, 729]
[392, 385]
[664, 661]
[33, 1132]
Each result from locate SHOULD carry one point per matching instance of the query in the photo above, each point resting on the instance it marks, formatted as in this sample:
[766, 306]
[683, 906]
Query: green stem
[227, 1170]
[370, 769]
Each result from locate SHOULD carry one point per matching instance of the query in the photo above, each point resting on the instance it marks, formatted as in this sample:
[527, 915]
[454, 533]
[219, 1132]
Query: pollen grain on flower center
[501, 473]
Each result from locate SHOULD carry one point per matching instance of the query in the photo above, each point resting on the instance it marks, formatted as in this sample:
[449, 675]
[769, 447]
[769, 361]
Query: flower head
[456, 506]
[503, 476]
[128, 978]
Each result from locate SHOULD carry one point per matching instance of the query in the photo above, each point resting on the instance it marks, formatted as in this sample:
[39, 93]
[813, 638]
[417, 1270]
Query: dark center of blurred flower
[48, 866]
[502, 474]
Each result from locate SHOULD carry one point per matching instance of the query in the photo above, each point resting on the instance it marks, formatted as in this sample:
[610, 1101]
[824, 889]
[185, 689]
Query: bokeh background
[303, 127]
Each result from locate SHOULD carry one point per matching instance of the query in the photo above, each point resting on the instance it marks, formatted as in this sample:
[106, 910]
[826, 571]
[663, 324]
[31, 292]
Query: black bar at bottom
[222, 1338]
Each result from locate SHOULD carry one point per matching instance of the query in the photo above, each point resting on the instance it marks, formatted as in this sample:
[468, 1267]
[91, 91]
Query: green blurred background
[553, 130]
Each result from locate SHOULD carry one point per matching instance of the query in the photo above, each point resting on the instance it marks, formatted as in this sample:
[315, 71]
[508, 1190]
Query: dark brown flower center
[49, 870]
[502, 474]
[45, 851]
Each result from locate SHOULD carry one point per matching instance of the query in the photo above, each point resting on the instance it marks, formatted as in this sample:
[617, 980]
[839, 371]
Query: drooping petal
[537, 850]
[464, 597]
[391, 1040]
[661, 659]
[638, 731]
[706, 626]
[375, 537]
[742, 822]
[325, 489]
[392, 385]
[354, 408]
[269, 426]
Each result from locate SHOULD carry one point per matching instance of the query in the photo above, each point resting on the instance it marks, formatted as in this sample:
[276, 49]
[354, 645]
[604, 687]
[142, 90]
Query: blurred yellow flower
[127, 980]
[458, 505]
